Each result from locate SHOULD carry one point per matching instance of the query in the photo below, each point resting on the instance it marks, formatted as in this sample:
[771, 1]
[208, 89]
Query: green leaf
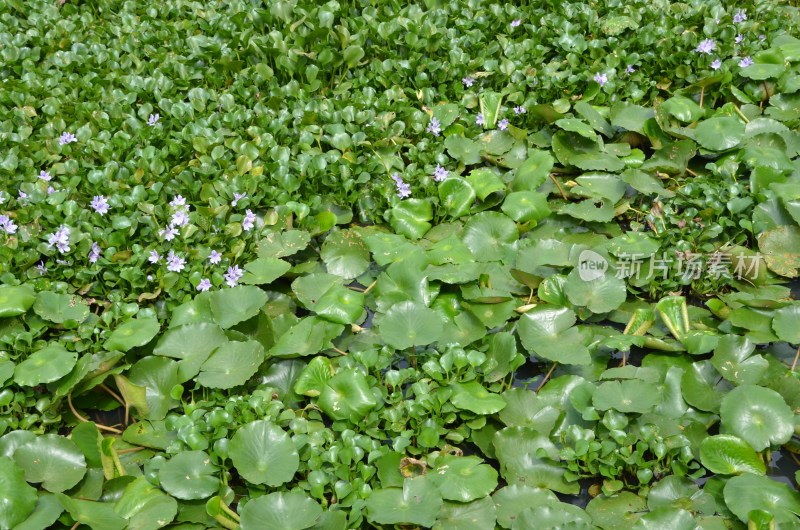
[417, 503]
[133, 333]
[192, 344]
[307, 337]
[43, 516]
[463, 478]
[748, 492]
[475, 515]
[264, 454]
[237, 304]
[550, 333]
[61, 308]
[189, 475]
[352, 55]
[17, 498]
[485, 182]
[347, 396]
[15, 300]
[780, 248]
[282, 244]
[786, 323]
[758, 415]
[345, 254]
[599, 295]
[285, 510]
[511, 500]
[410, 217]
[408, 324]
[619, 511]
[552, 517]
[577, 126]
[726, 454]
[526, 206]
[145, 506]
[490, 236]
[533, 172]
[463, 149]
[95, 515]
[340, 305]
[231, 364]
[474, 397]
[631, 395]
[683, 108]
[719, 133]
[456, 196]
[158, 376]
[52, 460]
[264, 270]
[314, 377]
[526, 456]
[45, 366]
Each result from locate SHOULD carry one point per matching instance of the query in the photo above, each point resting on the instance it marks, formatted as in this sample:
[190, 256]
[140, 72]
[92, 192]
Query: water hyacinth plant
[374, 265]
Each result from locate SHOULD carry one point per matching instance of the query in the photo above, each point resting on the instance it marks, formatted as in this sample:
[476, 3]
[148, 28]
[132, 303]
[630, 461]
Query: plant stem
[563, 194]
[546, 377]
[796, 356]
[85, 420]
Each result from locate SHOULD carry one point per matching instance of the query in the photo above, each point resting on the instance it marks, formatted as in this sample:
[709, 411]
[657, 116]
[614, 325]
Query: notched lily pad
[49, 364]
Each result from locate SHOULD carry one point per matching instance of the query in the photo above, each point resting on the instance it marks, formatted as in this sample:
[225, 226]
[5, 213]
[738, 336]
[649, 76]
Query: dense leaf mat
[453, 265]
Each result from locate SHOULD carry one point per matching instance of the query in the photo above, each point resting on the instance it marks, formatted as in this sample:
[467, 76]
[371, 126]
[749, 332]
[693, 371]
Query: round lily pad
[285, 510]
[17, 497]
[550, 333]
[237, 304]
[345, 254]
[132, 334]
[410, 324]
[758, 415]
[464, 478]
[719, 133]
[347, 395]
[474, 397]
[231, 364]
[15, 300]
[314, 376]
[416, 503]
[49, 364]
[748, 492]
[189, 475]
[727, 455]
[490, 235]
[264, 454]
[513, 499]
[552, 517]
[781, 249]
[53, 460]
[475, 515]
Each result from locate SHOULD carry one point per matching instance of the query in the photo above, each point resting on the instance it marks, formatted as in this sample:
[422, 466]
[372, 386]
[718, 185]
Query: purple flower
[175, 263]
[153, 119]
[434, 127]
[249, 221]
[179, 218]
[169, 233]
[739, 16]
[467, 81]
[744, 63]
[67, 138]
[707, 46]
[44, 175]
[154, 257]
[519, 110]
[762, 37]
[50, 190]
[502, 124]
[629, 69]
[439, 174]
[59, 238]
[515, 23]
[21, 195]
[215, 257]
[233, 275]
[716, 64]
[204, 285]
[739, 38]
[7, 225]
[479, 119]
[237, 197]
[41, 268]
[94, 253]
[600, 79]
[403, 189]
[177, 201]
[99, 204]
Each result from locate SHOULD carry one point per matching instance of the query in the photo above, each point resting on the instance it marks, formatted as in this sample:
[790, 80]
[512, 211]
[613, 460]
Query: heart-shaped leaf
[264, 454]
[285, 510]
[189, 475]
